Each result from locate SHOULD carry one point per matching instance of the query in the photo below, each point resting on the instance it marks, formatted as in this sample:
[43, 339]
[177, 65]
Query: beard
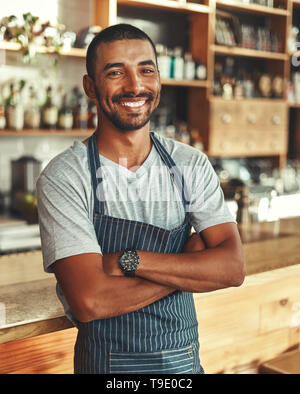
[116, 119]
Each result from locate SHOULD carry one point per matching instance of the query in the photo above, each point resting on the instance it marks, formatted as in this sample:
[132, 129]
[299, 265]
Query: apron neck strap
[96, 174]
[175, 172]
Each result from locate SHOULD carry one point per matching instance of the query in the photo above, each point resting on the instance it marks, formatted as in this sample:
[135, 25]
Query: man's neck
[127, 148]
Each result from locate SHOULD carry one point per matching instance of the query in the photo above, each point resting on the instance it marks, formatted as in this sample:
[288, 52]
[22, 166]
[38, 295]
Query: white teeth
[133, 104]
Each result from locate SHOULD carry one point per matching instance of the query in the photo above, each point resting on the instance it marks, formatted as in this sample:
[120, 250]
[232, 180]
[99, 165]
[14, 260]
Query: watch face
[129, 261]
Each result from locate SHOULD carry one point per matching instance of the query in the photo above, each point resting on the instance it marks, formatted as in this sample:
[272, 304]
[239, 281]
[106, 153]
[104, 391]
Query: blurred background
[231, 88]
[230, 74]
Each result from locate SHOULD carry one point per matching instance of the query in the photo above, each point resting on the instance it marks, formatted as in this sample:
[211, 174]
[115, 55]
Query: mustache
[118, 97]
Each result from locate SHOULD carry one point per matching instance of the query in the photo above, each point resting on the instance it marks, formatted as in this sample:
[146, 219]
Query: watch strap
[130, 274]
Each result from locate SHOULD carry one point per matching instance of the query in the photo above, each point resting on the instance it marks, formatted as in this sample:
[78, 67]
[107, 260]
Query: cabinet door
[247, 128]
[224, 115]
[260, 115]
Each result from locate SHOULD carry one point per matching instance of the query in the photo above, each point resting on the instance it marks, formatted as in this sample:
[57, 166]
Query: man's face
[127, 83]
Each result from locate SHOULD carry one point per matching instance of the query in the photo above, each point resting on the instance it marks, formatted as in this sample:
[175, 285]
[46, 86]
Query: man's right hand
[194, 244]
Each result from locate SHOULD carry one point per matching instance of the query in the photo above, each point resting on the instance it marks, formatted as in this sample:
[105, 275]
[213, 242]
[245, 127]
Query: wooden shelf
[44, 132]
[294, 105]
[296, 3]
[185, 83]
[251, 8]
[14, 46]
[256, 100]
[245, 52]
[171, 5]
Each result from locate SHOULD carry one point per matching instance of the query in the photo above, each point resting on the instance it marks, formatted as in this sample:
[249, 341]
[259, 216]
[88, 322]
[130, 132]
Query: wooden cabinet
[247, 128]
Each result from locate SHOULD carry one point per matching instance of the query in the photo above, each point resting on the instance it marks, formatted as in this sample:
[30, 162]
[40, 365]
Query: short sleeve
[66, 228]
[208, 206]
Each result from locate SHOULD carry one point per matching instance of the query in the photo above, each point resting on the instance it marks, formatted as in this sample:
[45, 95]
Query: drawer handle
[276, 120]
[251, 118]
[273, 145]
[250, 145]
[224, 145]
[226, 118]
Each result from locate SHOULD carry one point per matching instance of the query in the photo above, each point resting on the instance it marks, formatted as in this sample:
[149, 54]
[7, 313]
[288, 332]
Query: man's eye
[147, 71]
[114, 73]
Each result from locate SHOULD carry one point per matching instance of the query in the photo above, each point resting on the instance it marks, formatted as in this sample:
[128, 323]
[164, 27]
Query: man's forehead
[122, 50]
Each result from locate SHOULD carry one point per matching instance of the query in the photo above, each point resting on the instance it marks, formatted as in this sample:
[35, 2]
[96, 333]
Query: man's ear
[88, 85]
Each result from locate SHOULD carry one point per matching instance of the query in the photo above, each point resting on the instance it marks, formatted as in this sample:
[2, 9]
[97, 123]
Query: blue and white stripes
[159, 338]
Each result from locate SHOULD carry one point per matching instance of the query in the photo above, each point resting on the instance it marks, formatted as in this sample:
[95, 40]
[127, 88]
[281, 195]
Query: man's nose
[133, 83]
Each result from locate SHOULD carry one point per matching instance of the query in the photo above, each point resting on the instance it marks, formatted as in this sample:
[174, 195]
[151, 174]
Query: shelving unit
[203, 109]
[246, 127]
[105, 14]
[45, 132]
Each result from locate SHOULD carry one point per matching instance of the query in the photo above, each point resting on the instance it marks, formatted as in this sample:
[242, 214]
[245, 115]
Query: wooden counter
[238, 327]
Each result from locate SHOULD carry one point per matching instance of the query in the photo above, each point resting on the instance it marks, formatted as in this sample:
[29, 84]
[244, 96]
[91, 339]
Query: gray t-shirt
[66, 200]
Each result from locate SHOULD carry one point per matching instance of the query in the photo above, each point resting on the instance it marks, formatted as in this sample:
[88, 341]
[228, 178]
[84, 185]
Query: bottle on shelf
[178, 64]
[74, 102]
[170, 52]
[200, 73]
[189, 67]
[163, 60]
[92, 115]
[217, 87]
[182, 133]
[81, 113]
[49, 111]
[15, 109]
[32, 116]
[238, 90]
[65, 115]
[2, 112]
[228, 79]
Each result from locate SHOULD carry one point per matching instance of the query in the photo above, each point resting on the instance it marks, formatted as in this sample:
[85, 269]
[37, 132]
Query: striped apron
[161, 338]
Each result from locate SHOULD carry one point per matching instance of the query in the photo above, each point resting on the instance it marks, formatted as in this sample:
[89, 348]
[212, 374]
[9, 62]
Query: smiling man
[116, 212]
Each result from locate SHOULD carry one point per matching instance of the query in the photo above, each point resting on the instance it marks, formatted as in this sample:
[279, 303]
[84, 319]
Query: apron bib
[161, 338]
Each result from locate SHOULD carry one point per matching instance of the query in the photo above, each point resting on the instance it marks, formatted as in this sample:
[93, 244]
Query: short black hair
[121, 31]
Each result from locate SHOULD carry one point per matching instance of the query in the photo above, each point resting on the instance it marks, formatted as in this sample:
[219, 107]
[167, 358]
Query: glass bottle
[170, 53]
[49, 111]
[32, 115]
[163, 61]
[200, 71]
[74, 102]
[81, 113]
[2, 112]
[15, 109]
[178, 64]
[65, 115]
[239, 85]
[92, 115]
[228, 79]
[217, 87]
[189, 67]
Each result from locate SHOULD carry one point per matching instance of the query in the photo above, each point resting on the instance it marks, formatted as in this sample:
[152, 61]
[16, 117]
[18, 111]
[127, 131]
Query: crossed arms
[95, 287]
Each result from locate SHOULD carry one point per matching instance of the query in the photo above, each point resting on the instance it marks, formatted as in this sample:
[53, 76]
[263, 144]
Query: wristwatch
[129, 262]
